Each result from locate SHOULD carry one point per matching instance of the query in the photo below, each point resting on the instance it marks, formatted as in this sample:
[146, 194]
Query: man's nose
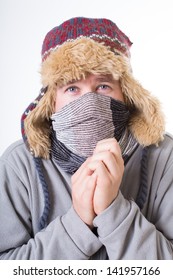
[88, 90]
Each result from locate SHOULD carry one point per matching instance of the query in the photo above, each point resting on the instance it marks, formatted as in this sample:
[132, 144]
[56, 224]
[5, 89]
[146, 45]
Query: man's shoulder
[164, 150]
[16, 149]
[167, 141]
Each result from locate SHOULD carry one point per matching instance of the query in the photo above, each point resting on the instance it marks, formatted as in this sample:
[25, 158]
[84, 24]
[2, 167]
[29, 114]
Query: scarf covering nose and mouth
[81, 124]
[89, 119]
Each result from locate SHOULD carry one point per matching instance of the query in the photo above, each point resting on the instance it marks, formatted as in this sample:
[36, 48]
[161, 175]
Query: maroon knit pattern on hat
[29, 109]
[101, 30]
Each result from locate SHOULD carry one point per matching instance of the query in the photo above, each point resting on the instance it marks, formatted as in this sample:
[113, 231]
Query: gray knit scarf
[78, 126]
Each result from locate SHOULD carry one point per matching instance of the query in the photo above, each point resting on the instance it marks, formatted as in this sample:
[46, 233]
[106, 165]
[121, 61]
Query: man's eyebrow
[72, 82]
[105, 78]
[69, 83]
[101, 78]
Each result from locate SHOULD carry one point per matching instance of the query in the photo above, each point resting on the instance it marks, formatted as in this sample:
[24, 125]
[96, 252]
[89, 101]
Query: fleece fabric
[123, 230]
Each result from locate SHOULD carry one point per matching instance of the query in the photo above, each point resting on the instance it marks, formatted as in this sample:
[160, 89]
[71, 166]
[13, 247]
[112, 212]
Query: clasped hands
[96, 183]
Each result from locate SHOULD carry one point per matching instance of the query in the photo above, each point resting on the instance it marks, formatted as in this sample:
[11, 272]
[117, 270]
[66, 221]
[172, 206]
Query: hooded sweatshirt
[122, 231]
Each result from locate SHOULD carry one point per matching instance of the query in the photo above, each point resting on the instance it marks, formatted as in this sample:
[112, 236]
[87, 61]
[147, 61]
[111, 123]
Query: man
[92, 178]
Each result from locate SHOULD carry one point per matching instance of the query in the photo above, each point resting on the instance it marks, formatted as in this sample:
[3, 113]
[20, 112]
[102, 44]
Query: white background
[24, 23]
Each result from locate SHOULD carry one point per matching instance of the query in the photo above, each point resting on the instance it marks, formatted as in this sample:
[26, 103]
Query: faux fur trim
[73, 61]
[147, 123]
[37, 125]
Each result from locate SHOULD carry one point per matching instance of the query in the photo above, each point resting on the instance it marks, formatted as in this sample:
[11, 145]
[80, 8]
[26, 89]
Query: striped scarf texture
[81, 124]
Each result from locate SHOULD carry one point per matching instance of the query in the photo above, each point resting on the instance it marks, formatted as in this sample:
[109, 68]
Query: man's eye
[71, 89]
[103, 87]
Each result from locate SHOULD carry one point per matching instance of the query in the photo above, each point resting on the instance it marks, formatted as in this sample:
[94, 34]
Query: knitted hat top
[101, 30]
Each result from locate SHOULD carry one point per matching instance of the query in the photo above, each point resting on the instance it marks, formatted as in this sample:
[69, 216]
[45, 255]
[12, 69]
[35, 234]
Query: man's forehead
[97, 78]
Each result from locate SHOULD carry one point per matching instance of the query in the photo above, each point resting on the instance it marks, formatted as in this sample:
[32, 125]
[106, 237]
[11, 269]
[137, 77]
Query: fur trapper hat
[71, 51]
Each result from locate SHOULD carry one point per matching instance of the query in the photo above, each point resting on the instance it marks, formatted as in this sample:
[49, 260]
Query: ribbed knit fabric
[142, 194]
[28, 110]
[82, 123]
[46, 210]
[99, 29]
[67, 160]
[70, 162]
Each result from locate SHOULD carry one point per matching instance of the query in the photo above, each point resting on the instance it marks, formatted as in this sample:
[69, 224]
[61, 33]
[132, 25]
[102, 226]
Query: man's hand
[108, 167]
[96, 183]
[83, 187]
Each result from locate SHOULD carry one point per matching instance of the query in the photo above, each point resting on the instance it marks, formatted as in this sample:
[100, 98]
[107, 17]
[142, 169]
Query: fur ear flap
[147, 122]
[37, 125]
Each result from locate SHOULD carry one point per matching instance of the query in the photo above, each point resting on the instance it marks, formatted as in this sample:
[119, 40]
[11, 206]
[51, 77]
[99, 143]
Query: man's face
[102, 84]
